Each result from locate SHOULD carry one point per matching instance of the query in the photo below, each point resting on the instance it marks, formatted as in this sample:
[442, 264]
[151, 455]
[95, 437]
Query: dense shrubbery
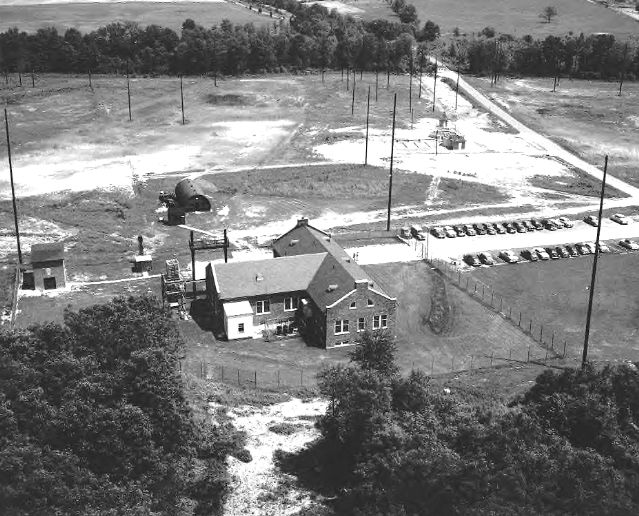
[396, 446]
[315, 38]
[93, 419]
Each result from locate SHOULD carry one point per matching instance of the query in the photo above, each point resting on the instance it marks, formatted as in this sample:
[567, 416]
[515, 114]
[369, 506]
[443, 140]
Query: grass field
[521, 17]
[556, 293]
[89, 16]
[587, 117]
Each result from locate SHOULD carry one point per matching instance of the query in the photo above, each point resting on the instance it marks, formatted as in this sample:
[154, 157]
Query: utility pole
[410, 86]
[457, 88]
[390, 176]
[193, 265]
[435, 84]
[584, 359]
[128, 92]
[90, 84]
[182, 99]
[226, 247]
[353, 101]
[368, 106]
[13, 192]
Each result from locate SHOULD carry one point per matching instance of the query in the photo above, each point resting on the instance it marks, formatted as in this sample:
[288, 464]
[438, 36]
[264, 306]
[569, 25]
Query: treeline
[394, 446]
[94, 420]
[314, 38]
[589, 57]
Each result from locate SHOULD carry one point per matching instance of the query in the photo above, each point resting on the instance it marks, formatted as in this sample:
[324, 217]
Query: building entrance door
[49, 283]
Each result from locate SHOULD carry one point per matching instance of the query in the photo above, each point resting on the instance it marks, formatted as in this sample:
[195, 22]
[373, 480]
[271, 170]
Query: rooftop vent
[331, 288]
[293, 242]
[259, 277]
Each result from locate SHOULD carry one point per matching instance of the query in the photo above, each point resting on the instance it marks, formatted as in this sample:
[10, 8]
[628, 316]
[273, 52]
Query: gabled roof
[263, 277]
[235, 308]
[47, 252]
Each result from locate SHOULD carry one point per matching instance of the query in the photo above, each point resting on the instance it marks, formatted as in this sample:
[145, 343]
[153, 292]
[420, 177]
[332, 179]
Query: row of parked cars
[547, 253]
[619, 218]
[493, 228]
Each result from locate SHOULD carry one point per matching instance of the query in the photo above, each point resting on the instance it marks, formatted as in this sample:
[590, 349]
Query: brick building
[312, 286]
[47, 271]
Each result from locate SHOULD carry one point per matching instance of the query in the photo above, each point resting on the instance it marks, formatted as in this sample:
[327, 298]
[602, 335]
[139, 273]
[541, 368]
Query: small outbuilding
[190, 197]
[47, 271]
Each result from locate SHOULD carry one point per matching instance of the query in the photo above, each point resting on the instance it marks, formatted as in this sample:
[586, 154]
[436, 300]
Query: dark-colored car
[549, 225]
[472, 259]
[480, 228]
[459, 229]
[528, 254]
[486, 258]
[499, 228]
[562, 252]
[582, 248]
[572, 251]
[470, 231]
[509, 227]
[592, 220]
[528, 225]
[519, 227]
[552, 252]
[438, 232]
[536, 224]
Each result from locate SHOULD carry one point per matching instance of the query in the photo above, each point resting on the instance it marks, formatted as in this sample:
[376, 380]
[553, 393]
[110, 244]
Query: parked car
[471, 259]
[438, 232]
[490, 229]
[529, 254]
[603, 248]
[583, 248]
[567, 223]
[536, 224]
[508, 226]
[562, 252]
[528, 225]
[480, 228]
[549, 225]
[592, 220]
[486, 258]
[557, 223]
[404, 232]
[470, 230]
[629, 244]
[572, 251]
[519, 227]
[499, 228]
[460, 230]
[450, 232]
[509, 256]
[552, 252]
[620, 218]
[541, 253]
[417, 232]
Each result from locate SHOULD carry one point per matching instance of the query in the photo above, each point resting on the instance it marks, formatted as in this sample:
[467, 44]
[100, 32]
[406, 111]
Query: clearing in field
[88, 16]
[587, 117]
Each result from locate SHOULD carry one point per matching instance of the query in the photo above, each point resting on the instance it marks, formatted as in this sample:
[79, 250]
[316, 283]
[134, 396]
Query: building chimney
[140, 245]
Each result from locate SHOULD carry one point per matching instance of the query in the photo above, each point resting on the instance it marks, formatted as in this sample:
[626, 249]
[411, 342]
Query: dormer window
[353, 305]
[370, 302]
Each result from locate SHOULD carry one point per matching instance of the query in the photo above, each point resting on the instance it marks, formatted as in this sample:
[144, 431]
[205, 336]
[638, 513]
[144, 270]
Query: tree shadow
[202, 314]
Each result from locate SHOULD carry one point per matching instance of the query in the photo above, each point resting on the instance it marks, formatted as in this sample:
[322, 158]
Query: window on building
[380, 321]
[370, 302]
[353, 305]
[240, 327]
[341, 326]
[290, 303]
[361, 324]
[262, 306]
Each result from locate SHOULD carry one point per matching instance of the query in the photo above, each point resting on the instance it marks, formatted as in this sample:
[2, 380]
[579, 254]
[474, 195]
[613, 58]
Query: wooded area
[396, 445]
[94, 419]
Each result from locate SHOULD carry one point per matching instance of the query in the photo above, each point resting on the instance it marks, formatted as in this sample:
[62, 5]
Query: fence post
[301, 377]
[483, 290]
[180, 364]
[472, 357]
[564, 349]
[528, 359]
[432, 365]
[541, 333]
[201, 369]
[452, 364]
[501, 303]
[530, 327]
[255, 377]
[510, 313]
[238, 376]
[492, 297]
[519, 323]
[492, 354]
[278, 378]
[222, 373]
[467, 278]
[510, 353]
[552, 341]
[475, 293]
[546, 357]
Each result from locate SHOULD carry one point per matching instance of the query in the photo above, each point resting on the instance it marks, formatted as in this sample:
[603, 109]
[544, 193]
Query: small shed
[176, 216]
[190, 196]
[47, 270]
[238, 319]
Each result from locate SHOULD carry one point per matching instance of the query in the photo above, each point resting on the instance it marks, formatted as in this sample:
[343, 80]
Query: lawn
[89, 16]
[521, 17]
[586, 117]
[556, 294]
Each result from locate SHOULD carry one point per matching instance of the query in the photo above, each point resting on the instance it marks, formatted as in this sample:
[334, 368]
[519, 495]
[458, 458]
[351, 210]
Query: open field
[521, 17]
[90, 15]
[556, 293]
[587, 117]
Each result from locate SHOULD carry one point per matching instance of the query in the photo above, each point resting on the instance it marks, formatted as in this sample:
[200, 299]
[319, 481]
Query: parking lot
[454, 249]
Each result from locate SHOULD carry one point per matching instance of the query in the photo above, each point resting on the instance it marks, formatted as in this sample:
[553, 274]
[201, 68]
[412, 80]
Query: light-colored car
[450, 232]
[509, 256]
[541, 253]
[557, 223]
[629, 244]
[486, 258]
[603, 248]
[592, 220]
[620, 218]
[567, 223]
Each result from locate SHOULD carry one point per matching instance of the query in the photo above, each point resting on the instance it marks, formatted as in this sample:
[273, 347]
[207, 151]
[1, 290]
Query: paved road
[551, 147]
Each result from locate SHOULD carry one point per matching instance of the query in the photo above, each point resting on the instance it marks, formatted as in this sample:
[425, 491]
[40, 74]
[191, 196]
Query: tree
[548, 13]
